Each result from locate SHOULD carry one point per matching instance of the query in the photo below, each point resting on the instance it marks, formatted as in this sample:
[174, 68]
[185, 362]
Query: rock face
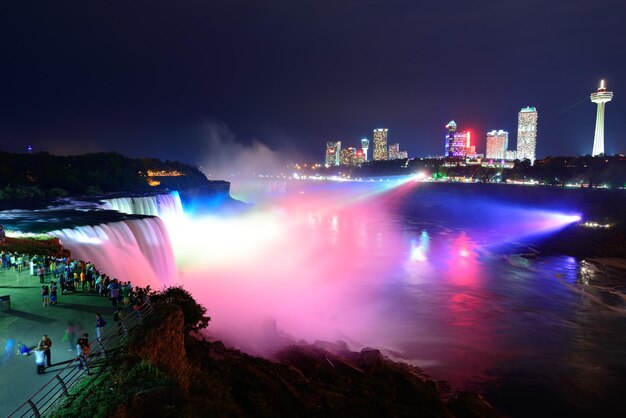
[323, 380]
[163, 344]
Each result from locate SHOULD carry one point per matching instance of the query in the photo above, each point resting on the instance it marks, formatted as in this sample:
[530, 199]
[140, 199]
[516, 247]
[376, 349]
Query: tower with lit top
[600, 97]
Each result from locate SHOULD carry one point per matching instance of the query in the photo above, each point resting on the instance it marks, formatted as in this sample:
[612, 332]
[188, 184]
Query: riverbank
[619, 263]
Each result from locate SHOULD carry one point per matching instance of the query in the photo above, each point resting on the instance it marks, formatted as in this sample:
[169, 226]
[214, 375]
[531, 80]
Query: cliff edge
[166, 372]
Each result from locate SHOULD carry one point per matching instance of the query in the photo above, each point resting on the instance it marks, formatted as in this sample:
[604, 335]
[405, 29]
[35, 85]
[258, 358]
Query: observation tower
[600, 97]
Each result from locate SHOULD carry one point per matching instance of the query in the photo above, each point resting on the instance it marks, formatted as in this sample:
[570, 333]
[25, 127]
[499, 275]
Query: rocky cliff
[165, 372]
[200, 378]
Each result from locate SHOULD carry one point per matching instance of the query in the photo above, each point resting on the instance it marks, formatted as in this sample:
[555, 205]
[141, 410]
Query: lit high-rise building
[527, 134]
[451, 127]
[497, 144]
[365, 144]
[333, 150]
[457, 144]
[510, 155]
[600, 97]
[348, 156]
[394, 150]
[403, 155]
[360, 157]
[380, 144]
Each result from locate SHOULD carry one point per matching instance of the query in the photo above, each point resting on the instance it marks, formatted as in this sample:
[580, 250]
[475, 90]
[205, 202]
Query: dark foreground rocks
[166, 373]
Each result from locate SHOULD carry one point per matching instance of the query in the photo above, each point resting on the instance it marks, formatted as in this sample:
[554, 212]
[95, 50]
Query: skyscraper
[497, 144]
[451, 127]
[527, 134]
[360, 157]
[380, 145]
[457, 144]
[365, 144]
[600, 97]
[394, 150]
[348, 156]
[333, 150]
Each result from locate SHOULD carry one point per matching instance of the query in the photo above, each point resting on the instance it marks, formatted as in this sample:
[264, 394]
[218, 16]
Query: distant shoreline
[617, 262]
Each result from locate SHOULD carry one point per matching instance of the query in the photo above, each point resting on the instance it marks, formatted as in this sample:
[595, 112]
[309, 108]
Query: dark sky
[155, 78]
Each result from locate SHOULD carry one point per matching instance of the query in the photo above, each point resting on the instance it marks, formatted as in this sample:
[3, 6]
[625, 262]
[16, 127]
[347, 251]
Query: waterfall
[162, 205]
[138, 250]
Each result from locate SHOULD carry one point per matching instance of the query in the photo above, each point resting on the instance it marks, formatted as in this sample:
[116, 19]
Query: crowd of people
[68, 276]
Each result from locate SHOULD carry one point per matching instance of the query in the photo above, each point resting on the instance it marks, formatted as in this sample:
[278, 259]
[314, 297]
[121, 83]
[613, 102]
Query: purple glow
[340, 262]
[316, 264]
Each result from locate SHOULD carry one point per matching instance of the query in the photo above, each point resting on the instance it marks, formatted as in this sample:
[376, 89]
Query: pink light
[302, 262]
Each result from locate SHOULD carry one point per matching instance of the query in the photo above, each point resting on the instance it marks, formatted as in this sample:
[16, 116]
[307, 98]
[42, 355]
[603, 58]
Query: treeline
[587, 170]
[46, 175]
[557, 171]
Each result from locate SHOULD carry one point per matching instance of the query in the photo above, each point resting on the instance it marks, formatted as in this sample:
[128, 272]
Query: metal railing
[59, 386]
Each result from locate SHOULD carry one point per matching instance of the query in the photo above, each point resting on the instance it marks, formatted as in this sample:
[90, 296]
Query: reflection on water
[424, 282]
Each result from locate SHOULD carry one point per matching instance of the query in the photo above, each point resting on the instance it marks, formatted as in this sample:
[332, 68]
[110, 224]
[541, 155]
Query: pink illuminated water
[136, 250]
[350, 263]
[419, 273]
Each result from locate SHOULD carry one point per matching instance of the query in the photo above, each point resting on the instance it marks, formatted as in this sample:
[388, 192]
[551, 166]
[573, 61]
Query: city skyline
[189, 78]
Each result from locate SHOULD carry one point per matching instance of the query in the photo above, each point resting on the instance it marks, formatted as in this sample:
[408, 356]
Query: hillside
[45, 175]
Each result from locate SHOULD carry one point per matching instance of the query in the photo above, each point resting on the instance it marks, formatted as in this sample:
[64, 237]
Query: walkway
[26, 323]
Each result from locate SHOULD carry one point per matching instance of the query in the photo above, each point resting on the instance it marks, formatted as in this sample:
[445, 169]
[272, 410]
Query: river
[439, 278]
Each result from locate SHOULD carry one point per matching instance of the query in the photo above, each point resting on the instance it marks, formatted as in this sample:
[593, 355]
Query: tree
[194, 313]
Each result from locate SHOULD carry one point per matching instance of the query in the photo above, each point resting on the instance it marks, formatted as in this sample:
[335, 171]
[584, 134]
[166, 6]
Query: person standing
[117, 318]
[53, 293]
[71, 333]
[82, 351]
[45, 295]
[100, 323]
[126, 294]
[39, 359]
[113, 293]
[45, 344]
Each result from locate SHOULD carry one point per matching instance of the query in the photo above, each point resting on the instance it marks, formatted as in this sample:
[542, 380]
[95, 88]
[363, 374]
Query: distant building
[348, 156]
[457, 144]
[497, 144]
[510, 155]
[394, 150]
[403, 155]
[360, 157]
[365, 144]
[380, 145]
[527, 134]
[333, 150]
[451, 128]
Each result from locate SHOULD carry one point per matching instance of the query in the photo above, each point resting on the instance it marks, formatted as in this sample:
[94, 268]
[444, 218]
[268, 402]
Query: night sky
[171, 79]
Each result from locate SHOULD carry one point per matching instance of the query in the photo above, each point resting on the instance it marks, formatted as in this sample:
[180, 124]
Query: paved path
[26, 323]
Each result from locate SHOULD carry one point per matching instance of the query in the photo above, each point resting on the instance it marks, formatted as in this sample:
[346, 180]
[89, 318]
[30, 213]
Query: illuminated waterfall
[163, 205]
[138, 250]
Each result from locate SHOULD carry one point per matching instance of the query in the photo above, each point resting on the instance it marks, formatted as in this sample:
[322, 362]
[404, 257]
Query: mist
[228, 158]
[293, 270]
